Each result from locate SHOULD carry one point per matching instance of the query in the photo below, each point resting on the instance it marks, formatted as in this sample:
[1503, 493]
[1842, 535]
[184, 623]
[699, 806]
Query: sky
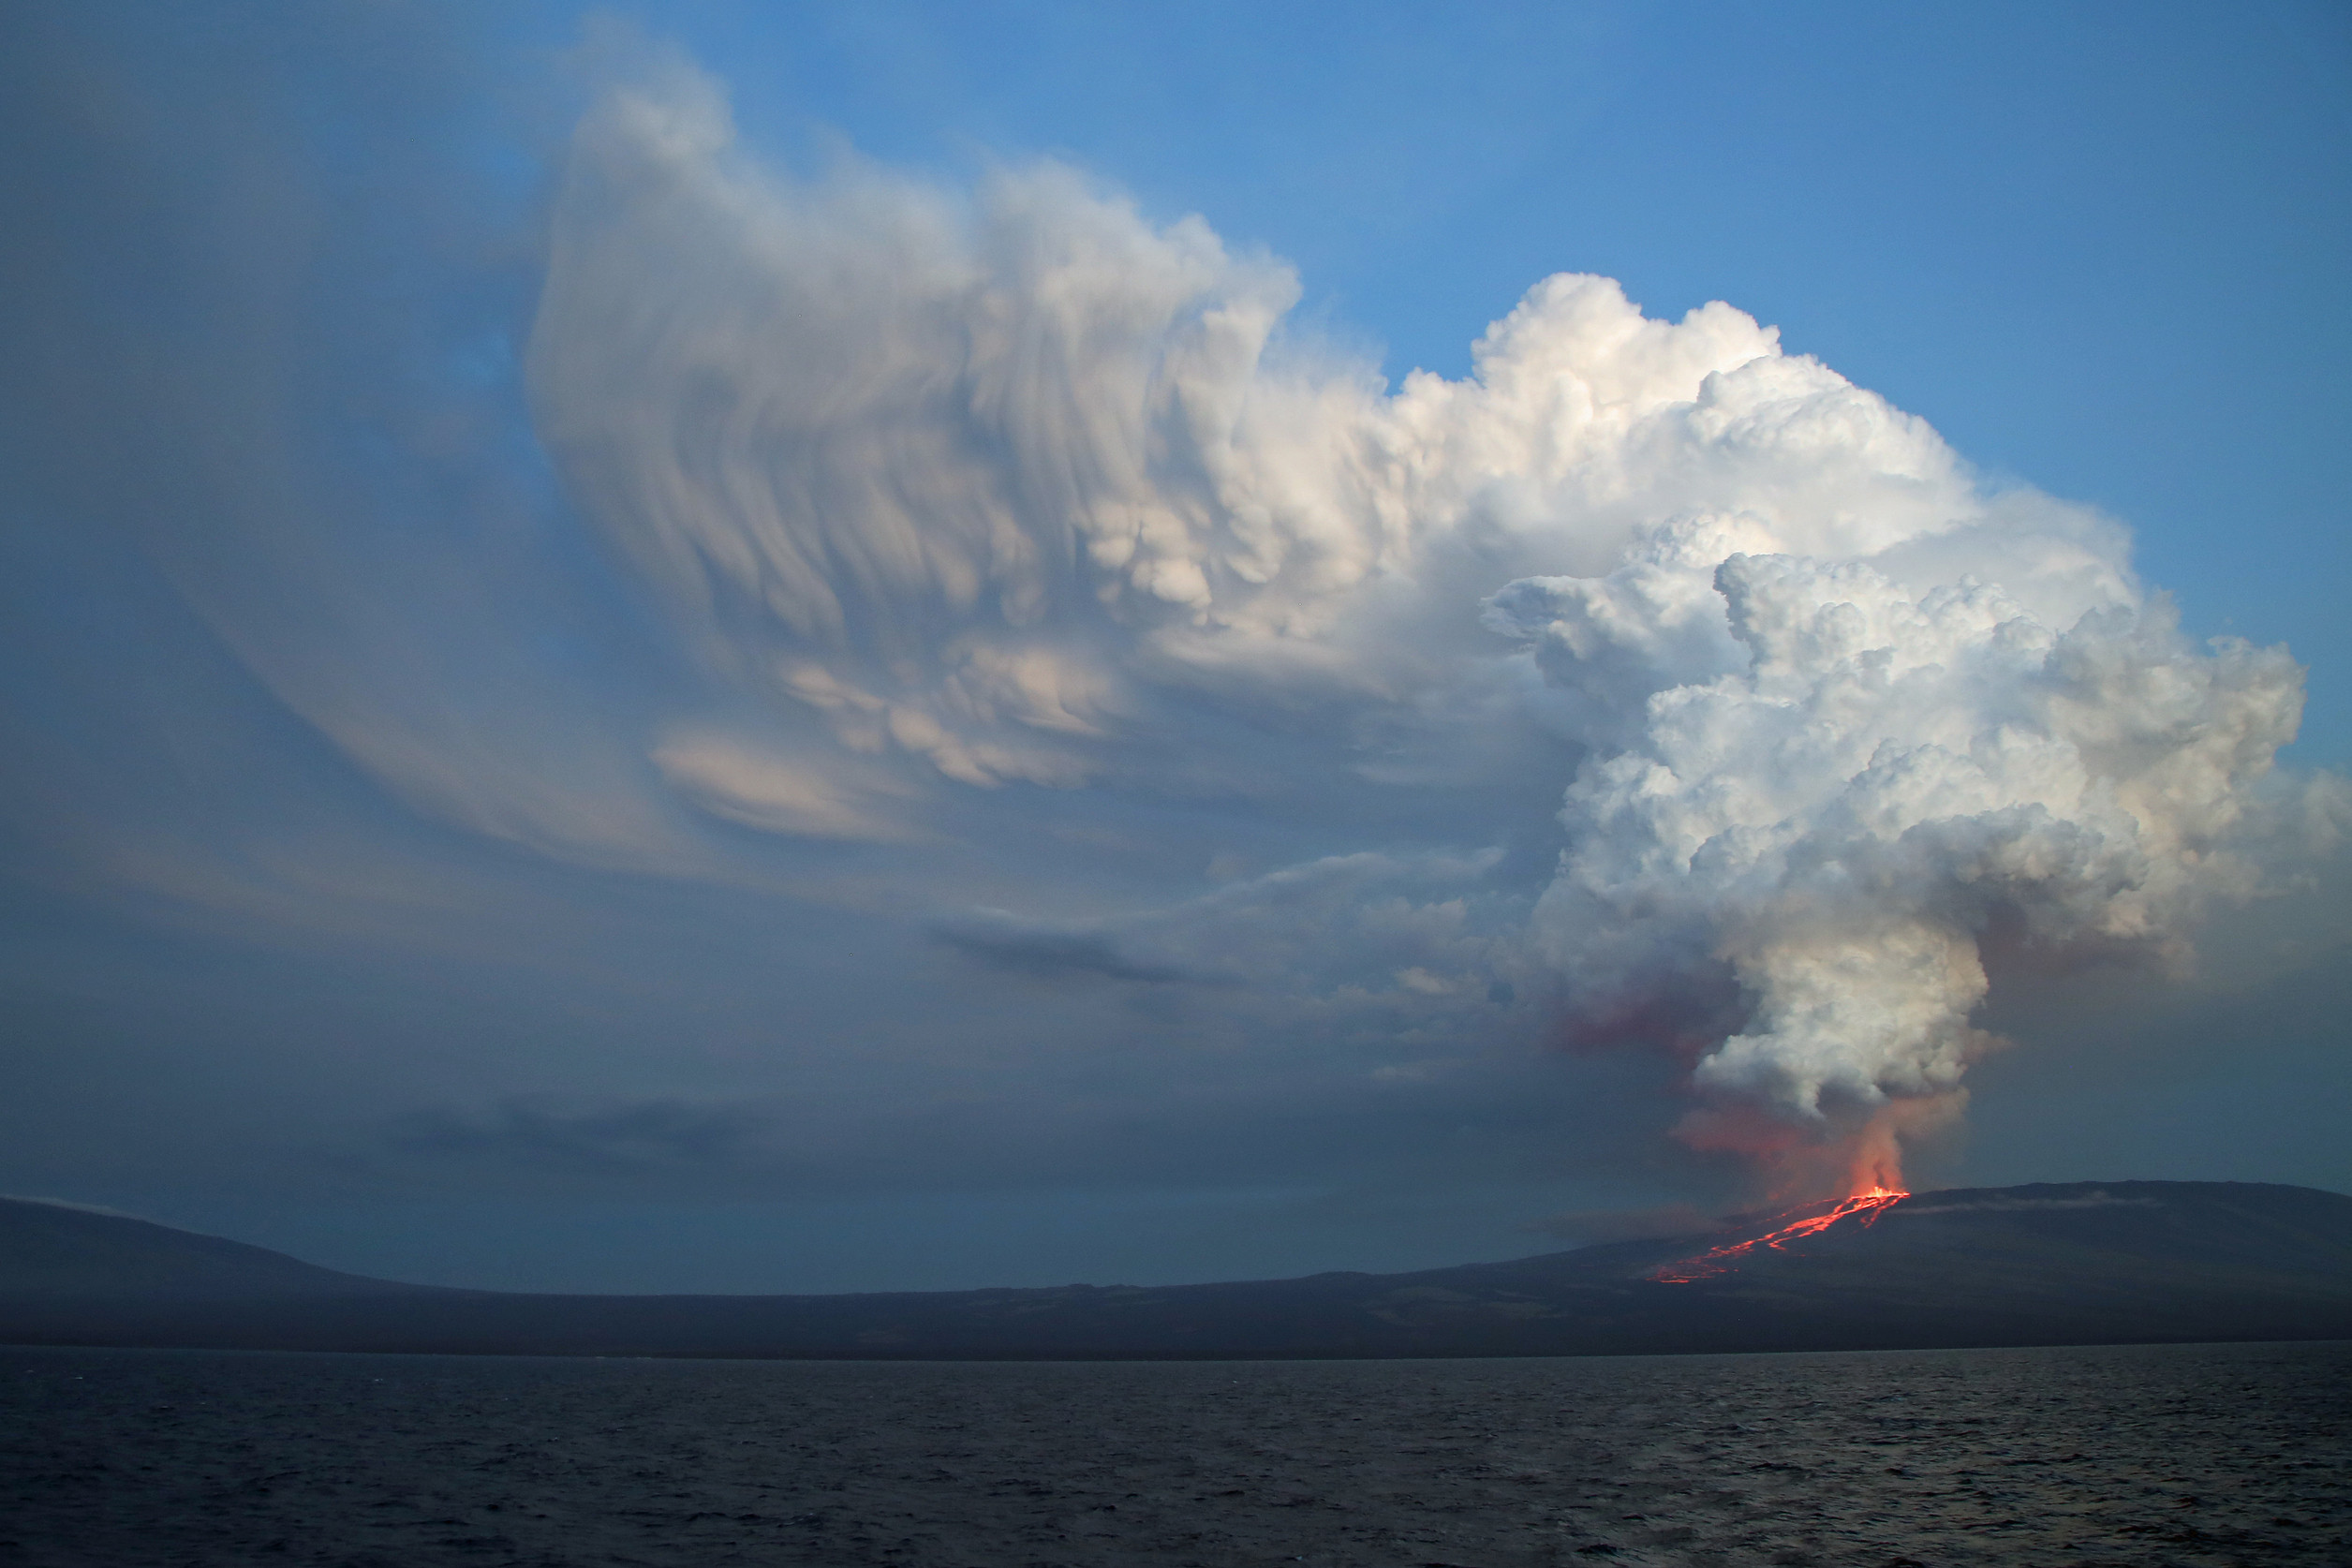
[728, 647]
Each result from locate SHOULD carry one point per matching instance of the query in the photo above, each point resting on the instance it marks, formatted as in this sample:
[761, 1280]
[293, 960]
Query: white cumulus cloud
[952, 494]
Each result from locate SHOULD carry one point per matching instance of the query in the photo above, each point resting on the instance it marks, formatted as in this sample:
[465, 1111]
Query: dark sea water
[2220, 1454]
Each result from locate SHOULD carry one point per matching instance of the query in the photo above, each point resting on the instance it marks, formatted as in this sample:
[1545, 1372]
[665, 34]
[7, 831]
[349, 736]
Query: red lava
[1868, 1206]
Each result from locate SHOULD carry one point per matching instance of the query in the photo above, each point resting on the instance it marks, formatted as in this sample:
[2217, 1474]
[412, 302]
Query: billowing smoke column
[1824, 835]
[1023, 488]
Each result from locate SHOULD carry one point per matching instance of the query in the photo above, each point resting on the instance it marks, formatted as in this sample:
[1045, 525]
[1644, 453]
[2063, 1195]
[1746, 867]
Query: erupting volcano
[1865, 1207]
[2081, 1263]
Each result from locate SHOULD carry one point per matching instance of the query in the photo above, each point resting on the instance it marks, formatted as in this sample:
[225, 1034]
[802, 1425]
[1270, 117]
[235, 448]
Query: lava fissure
[1866, 1207]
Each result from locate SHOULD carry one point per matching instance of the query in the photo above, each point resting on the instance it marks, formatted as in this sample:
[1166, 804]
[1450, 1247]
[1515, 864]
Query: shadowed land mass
[2077, 1263]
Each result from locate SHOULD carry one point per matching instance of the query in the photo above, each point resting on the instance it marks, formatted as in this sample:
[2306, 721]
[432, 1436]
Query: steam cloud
[956, 496]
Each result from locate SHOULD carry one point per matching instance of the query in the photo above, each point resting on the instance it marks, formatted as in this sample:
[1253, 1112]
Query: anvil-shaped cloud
[956, 495]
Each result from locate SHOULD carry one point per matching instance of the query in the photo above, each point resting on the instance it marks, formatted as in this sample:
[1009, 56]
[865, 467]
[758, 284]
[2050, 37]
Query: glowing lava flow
[1722, 1260]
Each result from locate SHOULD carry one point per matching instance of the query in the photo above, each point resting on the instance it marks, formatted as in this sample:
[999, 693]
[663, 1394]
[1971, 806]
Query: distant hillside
[2081, 1263]
[54, 1251]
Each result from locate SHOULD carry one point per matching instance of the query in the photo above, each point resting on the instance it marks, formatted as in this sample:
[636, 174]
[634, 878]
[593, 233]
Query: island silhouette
[2083, 1263]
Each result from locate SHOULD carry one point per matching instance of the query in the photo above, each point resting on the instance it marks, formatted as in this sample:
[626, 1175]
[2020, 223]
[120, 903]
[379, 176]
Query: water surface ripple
[2221, 1455]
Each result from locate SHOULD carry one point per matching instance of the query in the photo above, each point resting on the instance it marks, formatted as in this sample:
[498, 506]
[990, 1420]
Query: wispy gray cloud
[1048, 952]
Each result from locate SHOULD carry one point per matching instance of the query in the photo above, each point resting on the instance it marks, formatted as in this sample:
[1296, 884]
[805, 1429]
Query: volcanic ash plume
[1817, 845]
[1020, 489]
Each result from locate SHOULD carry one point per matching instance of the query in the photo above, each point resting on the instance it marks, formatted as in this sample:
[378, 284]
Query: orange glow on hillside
[1865, 1206]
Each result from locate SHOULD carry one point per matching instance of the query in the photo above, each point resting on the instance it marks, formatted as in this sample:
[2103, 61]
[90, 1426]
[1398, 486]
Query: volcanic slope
[2081, 1263]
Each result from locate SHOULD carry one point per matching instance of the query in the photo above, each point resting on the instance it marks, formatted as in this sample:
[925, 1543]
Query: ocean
[2221, 1455]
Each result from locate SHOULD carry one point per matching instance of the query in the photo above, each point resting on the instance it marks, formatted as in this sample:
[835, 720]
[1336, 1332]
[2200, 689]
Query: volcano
[2103, 1263]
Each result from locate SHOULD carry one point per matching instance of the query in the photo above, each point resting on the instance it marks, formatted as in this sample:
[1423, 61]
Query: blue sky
[825, 647]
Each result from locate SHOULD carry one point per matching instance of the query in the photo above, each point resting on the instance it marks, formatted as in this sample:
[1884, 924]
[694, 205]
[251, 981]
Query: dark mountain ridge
[61, 1250]
[2075, 1264]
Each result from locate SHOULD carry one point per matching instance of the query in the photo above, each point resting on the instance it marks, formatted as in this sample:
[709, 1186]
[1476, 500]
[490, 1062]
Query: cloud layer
[957, 499]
